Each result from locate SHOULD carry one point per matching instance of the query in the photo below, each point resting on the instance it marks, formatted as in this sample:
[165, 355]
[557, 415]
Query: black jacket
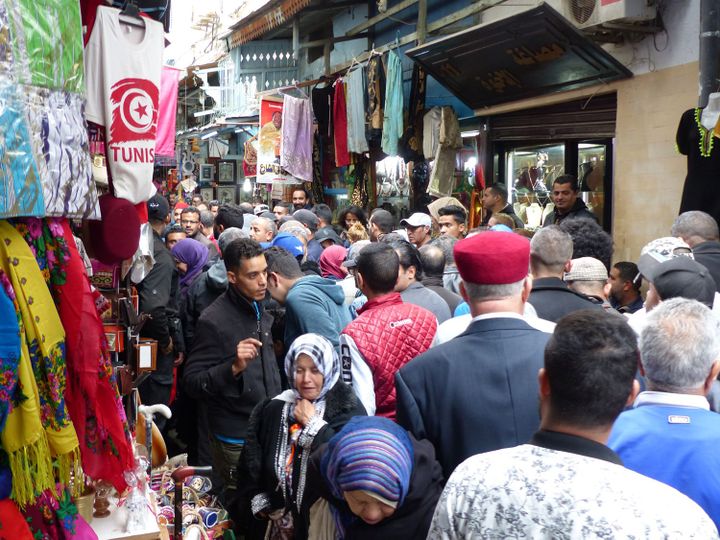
[208, 374]
[158, 294]
[257, 468]
[202, 293]
[435, 283]
[708, 254]
[552, 299]
[579, 210]
[411, 520]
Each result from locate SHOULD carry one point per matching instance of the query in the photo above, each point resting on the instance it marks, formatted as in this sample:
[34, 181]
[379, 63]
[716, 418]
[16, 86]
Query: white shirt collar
[499, 315]
[690, 401]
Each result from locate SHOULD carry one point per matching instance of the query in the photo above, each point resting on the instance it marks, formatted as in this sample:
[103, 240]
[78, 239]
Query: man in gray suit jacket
[479, 391]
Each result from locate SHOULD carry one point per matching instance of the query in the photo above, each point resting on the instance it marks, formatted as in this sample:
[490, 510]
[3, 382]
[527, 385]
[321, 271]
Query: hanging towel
[340, 125]
[297, 137]
[393, 118]
[356, 111]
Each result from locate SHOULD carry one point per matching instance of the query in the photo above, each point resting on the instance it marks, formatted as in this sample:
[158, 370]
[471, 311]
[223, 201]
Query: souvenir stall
[69, 346]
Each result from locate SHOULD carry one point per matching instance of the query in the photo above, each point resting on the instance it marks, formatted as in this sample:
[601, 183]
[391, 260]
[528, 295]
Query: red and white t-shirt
[122, 74]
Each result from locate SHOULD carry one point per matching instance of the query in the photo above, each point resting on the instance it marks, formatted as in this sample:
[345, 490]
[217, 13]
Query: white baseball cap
[418, 219]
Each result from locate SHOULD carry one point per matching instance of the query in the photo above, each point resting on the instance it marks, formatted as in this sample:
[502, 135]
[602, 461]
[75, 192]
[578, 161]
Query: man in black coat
[551, 252]
[700, 232]
[158, 298]
[568, 205]
[495, 201]
[232, 365]
[479, 391]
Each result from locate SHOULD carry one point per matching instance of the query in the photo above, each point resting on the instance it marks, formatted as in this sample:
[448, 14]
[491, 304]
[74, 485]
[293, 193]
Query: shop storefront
[530, 148]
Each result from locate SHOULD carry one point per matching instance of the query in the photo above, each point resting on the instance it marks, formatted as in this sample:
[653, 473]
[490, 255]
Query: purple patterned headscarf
[195, 255]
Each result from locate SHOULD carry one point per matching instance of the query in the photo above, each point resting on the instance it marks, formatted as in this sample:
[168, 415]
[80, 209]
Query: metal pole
[709, 49]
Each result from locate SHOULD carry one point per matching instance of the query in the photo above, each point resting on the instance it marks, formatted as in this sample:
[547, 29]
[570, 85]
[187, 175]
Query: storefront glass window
[531, 171]
[591, 176]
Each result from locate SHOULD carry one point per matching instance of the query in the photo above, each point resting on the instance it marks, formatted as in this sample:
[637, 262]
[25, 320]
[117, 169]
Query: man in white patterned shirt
[566, 483]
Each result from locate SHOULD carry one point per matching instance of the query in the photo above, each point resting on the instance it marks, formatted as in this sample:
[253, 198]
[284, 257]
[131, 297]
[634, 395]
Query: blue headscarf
[372, 454]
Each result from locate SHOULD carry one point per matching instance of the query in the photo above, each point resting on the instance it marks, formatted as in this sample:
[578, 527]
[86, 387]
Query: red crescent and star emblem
[135, 110]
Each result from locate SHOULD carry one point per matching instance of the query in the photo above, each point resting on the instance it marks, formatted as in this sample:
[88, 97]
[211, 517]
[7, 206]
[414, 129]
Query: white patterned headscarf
[323, 355]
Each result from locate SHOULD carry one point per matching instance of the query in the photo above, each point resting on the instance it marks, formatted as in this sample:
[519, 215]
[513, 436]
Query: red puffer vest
[389, 333]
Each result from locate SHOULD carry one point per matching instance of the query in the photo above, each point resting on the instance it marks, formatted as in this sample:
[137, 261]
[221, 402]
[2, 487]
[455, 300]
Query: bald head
[432, 259]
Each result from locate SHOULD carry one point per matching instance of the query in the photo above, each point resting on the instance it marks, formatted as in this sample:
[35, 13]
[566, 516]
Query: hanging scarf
[45, 347]
[91, 393]
[195, 255]
[9, 349]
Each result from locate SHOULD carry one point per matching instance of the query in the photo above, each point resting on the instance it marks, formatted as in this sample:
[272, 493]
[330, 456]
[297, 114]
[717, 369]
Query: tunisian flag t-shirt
[122, 74]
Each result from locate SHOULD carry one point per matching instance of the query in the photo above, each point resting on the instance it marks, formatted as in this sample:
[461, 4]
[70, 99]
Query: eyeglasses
[188, 222]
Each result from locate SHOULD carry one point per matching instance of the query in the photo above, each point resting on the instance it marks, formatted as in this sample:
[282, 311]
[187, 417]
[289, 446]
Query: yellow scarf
[39, 427]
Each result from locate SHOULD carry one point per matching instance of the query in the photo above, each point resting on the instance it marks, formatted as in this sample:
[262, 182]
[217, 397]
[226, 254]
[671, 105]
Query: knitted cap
[371, 454]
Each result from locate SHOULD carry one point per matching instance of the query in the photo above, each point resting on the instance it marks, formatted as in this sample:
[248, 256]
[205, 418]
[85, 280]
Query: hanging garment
[442, 178]
[322, 102]
[297, 138]
[356, 111]
[165, 139]
[702, 148]
[431, 132]
[376, 98]
[122, 91]
[393, 118]
[62, 153]
[47, 43]
[21, 191]
[340, 125]
[40, 424]
[411, 142]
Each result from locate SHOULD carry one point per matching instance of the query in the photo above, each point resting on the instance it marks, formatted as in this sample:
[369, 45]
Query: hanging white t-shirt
[122, 74]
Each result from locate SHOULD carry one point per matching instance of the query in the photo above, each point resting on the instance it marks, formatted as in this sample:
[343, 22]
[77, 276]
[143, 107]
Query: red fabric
[340, 125]
[12, 523]
[493, 258]
[388, 334]
[142, 212]
[331, 262]
[88, 9]
[91, 393]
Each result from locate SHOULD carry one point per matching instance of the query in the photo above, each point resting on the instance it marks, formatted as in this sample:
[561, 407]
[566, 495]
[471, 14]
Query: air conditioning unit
[588, 13]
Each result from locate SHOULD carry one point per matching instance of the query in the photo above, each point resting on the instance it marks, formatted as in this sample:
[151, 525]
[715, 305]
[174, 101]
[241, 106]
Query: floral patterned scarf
[91, 393]
[43, 353]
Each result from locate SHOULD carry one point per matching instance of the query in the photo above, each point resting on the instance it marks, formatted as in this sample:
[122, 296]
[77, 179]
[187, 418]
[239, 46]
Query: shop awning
[529, 54]
[273, 14]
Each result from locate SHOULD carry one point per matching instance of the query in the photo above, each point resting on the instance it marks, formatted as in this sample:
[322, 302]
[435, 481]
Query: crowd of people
[368, 378]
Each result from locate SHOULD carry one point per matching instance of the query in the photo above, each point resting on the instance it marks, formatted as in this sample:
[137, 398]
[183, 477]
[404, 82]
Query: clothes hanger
[130, 15]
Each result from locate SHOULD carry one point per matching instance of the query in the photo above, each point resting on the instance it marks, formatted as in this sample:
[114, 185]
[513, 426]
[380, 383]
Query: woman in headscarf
[283, 431]
[331, 263]
[190, 258]
[378, 480]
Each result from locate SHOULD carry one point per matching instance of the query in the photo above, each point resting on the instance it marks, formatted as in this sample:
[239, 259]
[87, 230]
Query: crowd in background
[360, 377]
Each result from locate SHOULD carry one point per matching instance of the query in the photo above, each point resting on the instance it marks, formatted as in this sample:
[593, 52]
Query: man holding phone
[232, 364]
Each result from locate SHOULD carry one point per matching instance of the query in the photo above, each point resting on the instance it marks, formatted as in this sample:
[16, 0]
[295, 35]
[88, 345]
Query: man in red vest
[386, 335]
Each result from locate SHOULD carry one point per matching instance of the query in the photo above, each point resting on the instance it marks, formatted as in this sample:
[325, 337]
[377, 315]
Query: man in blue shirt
[670, 434]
